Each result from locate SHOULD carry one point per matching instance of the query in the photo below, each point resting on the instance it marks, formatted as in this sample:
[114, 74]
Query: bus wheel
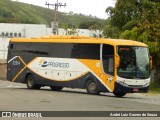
[91, 87]
[119, 94]
[56, 88]
[30, 83]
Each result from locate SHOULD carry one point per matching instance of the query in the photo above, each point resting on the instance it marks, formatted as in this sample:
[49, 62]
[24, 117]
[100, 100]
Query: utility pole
[55, 24]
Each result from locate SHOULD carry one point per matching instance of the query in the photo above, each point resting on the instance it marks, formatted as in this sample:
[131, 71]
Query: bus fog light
[123, 83]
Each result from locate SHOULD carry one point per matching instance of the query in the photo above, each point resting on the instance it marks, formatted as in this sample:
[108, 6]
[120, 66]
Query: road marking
[11, 86]
[51, 95]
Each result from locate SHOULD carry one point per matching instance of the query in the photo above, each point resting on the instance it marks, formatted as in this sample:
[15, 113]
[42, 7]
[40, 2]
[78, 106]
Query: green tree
[110, 31]
[137, 20]
[90, 25]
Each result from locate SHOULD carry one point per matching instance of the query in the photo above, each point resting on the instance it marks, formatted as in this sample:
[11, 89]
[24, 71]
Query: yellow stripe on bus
[22, 69]
[22, 60]
[96, 67]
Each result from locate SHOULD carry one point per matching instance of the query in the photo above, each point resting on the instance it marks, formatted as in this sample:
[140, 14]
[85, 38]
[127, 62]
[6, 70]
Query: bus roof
[78, 39]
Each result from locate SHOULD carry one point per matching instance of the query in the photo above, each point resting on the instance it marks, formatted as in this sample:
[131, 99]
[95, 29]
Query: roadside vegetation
[153, 89]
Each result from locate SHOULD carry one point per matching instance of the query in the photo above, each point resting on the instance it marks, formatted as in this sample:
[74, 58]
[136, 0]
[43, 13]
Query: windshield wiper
[136, 69]
[141, 72]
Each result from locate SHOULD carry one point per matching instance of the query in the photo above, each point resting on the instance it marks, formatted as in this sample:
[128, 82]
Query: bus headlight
[122, 83]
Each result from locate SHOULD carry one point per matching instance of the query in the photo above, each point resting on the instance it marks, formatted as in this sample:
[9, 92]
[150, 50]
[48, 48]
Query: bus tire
[56, 88]
[119, 94]
[91, 87]
[30, 83]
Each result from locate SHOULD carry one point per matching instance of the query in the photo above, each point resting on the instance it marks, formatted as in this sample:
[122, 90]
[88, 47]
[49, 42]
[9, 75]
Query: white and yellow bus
[97, 65]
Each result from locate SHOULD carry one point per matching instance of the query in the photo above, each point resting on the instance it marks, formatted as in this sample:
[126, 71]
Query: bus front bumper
[134, 89]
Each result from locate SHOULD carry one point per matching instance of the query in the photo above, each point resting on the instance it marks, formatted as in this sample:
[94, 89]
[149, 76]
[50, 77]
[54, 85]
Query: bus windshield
[134, 62]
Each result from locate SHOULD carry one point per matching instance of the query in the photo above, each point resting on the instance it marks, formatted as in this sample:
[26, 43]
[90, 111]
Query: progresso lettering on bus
[45, 63]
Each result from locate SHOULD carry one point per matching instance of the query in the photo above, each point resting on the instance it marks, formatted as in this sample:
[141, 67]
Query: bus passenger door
[107, 58]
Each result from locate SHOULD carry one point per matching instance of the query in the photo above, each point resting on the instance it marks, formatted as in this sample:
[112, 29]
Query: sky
[88, 7]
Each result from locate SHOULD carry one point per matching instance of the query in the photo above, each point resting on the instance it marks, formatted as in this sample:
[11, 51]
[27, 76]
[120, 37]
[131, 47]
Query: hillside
[16, 12]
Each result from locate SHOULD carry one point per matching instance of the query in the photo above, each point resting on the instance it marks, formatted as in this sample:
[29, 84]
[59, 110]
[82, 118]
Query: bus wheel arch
[27, 77]
[29, 80]
[91, 86]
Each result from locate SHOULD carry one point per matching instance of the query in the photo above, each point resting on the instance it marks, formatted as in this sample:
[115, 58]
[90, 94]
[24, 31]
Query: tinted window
[60, 50]
[91, 51]
[81, 51]
[30, 49]
[77, 51]
[108, 59]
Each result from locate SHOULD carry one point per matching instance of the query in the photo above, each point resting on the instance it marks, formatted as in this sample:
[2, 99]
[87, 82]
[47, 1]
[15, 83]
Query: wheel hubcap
[92, 86]
[30, 81]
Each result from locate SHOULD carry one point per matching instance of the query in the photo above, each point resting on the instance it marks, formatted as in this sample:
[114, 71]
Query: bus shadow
[111, 95]
[74, 91]
[81, 91]
[78, 91]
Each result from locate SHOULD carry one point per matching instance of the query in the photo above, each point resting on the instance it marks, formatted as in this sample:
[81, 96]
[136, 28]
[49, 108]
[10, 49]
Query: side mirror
[117, 62]
[150, 62]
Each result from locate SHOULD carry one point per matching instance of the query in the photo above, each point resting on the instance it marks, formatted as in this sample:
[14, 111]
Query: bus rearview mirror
[150, 62]
[117, 62]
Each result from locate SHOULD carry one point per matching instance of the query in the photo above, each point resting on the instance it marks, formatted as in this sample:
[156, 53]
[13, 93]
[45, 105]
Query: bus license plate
[135, 89]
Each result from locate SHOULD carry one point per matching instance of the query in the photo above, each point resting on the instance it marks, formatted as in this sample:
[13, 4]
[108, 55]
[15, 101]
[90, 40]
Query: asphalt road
[16, 97]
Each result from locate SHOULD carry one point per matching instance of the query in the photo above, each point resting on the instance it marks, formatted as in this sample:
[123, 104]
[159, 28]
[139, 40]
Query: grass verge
[153, 89]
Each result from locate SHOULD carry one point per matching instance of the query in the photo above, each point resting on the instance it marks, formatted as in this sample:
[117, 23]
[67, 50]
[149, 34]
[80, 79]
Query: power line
[56, 6]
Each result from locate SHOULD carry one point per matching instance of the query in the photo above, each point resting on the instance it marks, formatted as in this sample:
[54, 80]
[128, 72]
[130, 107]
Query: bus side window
[11, 46]
[34, 49]
[108, 59]
[60, 50]
[86, 51]
[76, 51]
[91, 51]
